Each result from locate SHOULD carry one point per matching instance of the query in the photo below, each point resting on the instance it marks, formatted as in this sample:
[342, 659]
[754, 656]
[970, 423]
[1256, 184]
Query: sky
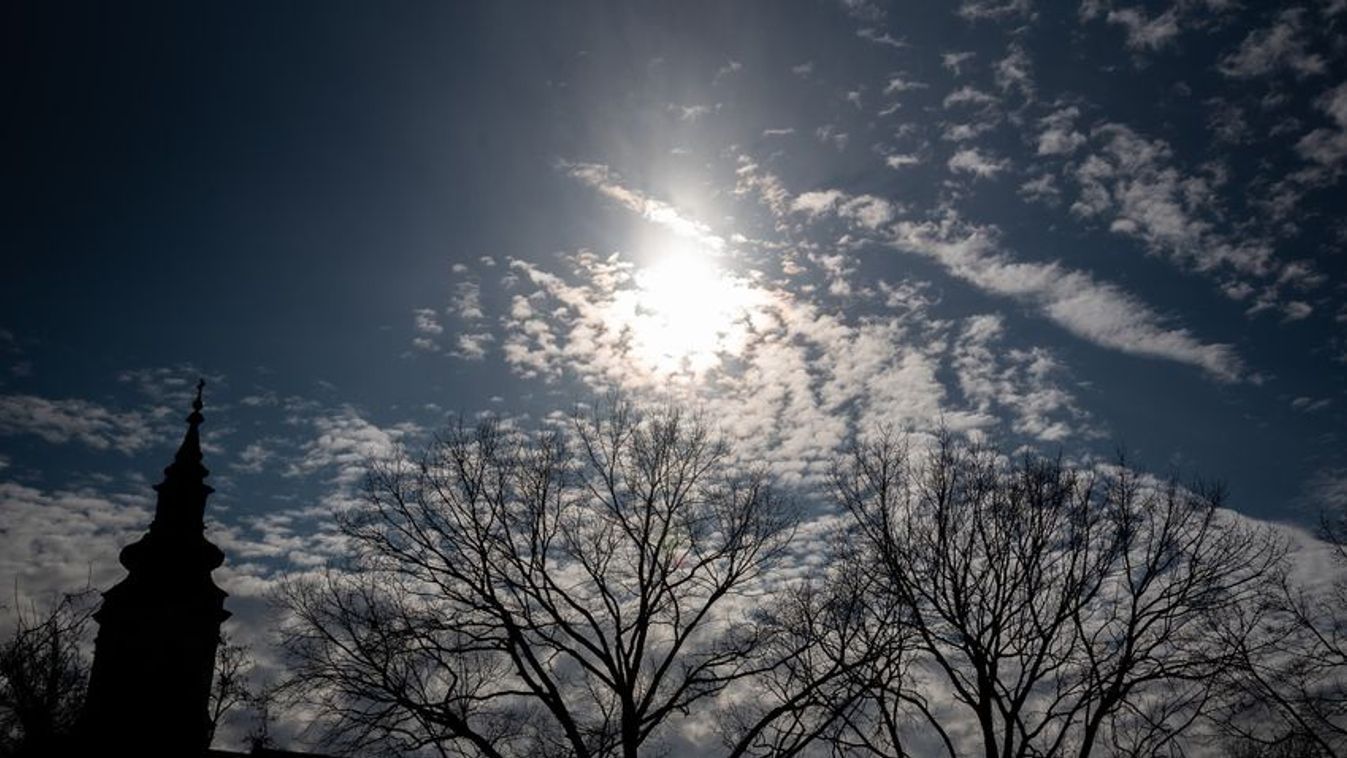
[1076, 228]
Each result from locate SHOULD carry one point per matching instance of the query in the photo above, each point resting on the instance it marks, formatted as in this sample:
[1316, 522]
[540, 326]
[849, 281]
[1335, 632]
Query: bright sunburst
[686, 313]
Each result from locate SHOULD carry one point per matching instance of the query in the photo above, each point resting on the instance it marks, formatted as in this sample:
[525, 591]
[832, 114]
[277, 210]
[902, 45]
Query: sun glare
[685, 314]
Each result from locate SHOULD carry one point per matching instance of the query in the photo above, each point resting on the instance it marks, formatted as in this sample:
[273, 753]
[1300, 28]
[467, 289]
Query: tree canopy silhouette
[560, 592]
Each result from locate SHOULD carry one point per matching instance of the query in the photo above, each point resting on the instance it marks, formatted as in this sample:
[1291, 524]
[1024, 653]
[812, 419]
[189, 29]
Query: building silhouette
[158, 628]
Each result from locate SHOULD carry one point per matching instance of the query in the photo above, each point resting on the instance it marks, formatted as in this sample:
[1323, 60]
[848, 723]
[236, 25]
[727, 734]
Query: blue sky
[1076, 227]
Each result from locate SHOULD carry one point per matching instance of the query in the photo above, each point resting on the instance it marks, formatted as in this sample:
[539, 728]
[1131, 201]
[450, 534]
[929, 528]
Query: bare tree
[840, 654]
[558, 593]
[1061, 609]
[230, 687]
[43, 675]
[1290, 687]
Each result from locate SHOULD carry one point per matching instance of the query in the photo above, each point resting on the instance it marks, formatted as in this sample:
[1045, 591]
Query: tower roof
[181, 503]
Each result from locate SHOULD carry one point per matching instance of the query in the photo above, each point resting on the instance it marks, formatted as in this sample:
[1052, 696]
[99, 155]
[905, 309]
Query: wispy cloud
[75, 420]
[980, 164]
[608, 183]
[1098, 312]
[1281, 46]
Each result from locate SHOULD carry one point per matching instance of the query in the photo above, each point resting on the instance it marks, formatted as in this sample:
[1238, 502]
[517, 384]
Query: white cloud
[1098, 312]
[901, 83]
[608, 183]
[344, 443]
[1059, 135]
[1133, 183]
[901, 161]
[993, 10]
[882, 38]
[830, 134]
[67, 420]
[867, 210]
[973, 161]
[968, 95]
[1327, 490]
[1328, 146]
[1145, 33]
[1041, 189]
[466, 302]
[955, 61]
[992, 376]
[1013, 72]
[1280, 46]
[1311, 405]
[750, 178]
[816, 202]
[427, 321]
[473, 345]
[57, 541]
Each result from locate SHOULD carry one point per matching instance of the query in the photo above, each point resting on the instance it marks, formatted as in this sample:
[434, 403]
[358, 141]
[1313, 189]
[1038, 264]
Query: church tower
[158, 628]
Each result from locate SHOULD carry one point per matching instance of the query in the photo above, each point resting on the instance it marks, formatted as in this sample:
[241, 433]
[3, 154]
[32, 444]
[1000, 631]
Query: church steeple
[182, 495]
[159, 627]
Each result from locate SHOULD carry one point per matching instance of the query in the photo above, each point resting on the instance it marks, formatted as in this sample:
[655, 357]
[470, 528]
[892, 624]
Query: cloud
[1059, 135]
[955, 61]
[74, 420]
[882, 38]
[1311, 405]
[750, 178]
[1042, 189]
[1020, 382]
[1013, 72]
[1326, 491]
[831, 134]
[1278, 47]
[993, 10]
[899, 83]
[867, 210]
[979, 164]
[1133, 183]
[609, 184]
[693, 113]
[901, 161]
[1145, 33]
[467, 301]
[427, 322]
[1328, 146]
[56, 541]
[473, 345]
[817, 202]
[1098, 312]
[344, 442]
[793, 376]
[968, 95]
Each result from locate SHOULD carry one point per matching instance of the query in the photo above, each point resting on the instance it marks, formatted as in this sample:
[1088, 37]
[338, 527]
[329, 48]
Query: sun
[685, 314]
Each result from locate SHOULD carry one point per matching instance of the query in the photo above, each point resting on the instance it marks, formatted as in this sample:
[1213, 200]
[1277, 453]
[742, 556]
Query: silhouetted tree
[230, 687]
[1290, 686]
[1063, 611]
[555, 593]
[44, 673]
[841, 652]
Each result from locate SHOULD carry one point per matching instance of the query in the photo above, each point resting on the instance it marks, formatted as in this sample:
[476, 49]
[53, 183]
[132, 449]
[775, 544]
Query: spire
[190, 450]
[182, 495]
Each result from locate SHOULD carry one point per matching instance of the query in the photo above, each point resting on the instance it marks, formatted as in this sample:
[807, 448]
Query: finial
[196, 418]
